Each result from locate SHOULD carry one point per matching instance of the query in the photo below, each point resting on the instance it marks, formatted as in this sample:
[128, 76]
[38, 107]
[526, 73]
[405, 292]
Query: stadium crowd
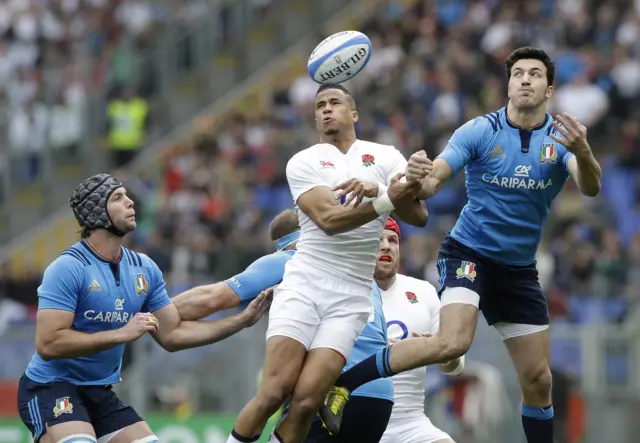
[54, 53]
[435, 65]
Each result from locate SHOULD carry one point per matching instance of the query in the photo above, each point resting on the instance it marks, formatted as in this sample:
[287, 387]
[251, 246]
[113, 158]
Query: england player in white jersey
[344, 189]
[411, 307]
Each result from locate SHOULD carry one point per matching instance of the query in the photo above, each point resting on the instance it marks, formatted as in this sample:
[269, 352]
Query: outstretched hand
[574, 134]
[256, 309]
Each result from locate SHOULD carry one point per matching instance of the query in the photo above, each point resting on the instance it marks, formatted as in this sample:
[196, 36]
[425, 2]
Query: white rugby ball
[339, 57]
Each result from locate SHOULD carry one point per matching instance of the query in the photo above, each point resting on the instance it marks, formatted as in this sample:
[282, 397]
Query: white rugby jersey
[354, 252]
[410, 305]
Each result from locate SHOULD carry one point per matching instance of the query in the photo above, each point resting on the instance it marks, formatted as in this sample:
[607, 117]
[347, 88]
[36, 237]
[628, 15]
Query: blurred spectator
[128, 120]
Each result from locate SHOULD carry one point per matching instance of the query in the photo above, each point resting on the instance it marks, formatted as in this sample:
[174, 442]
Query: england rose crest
[368, 160]
[411, 297]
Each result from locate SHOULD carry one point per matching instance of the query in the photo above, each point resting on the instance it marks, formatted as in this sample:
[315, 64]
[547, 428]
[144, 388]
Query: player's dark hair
[284, 224]
[327, 86]
[529, 52]
[86, 232]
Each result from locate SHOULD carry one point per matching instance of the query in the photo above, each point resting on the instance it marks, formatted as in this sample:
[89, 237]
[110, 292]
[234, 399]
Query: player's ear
[549, 92]
[355, 116]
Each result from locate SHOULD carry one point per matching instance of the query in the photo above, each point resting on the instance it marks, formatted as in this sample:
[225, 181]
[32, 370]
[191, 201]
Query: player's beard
[385, 273]
[125, 226]
[331, 131]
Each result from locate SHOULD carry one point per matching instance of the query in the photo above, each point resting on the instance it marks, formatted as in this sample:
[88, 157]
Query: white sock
[233, 439]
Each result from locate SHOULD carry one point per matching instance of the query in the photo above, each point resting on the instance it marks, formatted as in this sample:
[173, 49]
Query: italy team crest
[467, 270]
[548, 153]
[63, 406]
[142, 286]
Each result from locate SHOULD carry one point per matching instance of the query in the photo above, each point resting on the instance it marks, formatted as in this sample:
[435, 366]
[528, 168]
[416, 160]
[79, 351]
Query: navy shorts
[510, 294]
[42, 404]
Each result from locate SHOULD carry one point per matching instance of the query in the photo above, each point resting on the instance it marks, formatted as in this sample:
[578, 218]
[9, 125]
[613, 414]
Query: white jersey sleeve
[302, 176]
[397, 164]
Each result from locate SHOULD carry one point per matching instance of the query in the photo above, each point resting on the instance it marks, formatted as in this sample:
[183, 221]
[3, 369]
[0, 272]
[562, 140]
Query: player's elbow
[592, 190]
[169, 343]
[171, 347]
[420, 220]
[328, 226]
[46, 349]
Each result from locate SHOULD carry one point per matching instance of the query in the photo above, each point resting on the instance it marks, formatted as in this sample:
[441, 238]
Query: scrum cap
[89, 202]
[392, 225]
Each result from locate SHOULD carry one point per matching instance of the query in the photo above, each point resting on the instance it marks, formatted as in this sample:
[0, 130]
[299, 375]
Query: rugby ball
[339, 57]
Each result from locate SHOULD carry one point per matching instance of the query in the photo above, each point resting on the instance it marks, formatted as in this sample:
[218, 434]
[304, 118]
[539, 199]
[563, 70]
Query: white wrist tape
[458, 370]
[382, 189]
[382, 204]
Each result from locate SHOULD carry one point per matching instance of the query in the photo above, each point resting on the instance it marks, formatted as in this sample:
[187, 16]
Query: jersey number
[405, 330]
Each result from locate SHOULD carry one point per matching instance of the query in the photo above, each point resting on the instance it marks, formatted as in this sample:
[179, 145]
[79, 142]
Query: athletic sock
[538, 424]
[372, 368]
[237, 438]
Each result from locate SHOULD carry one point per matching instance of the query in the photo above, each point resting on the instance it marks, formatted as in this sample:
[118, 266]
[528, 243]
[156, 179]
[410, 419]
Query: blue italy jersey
[512, 176]
[103, 295]
[262, 274]
[372, 339]
[268, 271]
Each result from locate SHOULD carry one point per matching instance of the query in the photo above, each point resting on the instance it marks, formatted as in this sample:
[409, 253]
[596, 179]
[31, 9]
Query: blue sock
[372, 368]
[538, 424]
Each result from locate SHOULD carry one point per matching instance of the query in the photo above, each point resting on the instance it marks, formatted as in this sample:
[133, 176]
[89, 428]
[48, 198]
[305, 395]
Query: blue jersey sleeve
[262, 274]
[61, 285]
[464, 144]
[158, 297]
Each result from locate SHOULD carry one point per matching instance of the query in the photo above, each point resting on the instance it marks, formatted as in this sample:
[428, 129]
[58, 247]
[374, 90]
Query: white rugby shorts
[320, 309]
[413, 428]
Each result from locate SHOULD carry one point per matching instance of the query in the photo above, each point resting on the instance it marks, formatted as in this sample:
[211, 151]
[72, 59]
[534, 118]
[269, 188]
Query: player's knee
[537, 381]
[271, 397]
[305, 404]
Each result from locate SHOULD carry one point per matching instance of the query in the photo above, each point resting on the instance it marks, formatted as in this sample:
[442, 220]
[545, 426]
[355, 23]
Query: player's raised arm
[582, 165]
[203, 301]
[57, 301]
[414, 211]
[174, 334]
[461, 149]
[316, 199]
